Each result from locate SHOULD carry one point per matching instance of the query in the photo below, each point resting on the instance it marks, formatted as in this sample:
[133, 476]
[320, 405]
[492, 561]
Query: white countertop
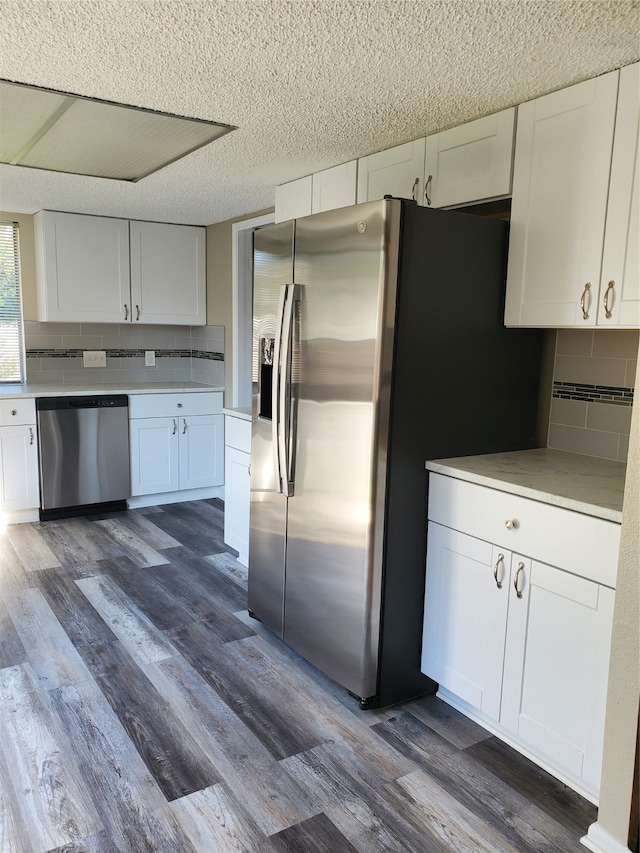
[242, 412]
[580, 483]
[14, 391]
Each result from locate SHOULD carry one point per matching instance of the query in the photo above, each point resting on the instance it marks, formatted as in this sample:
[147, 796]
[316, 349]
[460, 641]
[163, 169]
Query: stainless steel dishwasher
[84, 454]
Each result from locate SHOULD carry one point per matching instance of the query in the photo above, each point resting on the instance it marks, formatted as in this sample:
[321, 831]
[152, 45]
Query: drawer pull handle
[519, 571]
[30, 435]
[607, 313]
[495, 570]
[585, 310]
[137, 312]
[413, 188]
[184, 427]
[126, 311]
[175, 426]
[511, 524]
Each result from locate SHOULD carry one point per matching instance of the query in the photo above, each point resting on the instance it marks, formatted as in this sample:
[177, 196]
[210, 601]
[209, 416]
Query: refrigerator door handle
[276, 390]
[286, 437]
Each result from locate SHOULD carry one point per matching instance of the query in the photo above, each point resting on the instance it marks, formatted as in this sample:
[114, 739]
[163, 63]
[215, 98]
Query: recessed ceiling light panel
[51, 130]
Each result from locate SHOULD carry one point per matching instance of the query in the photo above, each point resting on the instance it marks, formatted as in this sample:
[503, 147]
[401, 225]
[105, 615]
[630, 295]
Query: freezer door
[273, 271]
[345, 271]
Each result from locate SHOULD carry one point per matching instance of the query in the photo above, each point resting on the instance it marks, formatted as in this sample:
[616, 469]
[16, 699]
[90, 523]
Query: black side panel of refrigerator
[463, 384]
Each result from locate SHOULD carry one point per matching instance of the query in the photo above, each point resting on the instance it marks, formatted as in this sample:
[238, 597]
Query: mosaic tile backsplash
[183, 353]
[593, 389]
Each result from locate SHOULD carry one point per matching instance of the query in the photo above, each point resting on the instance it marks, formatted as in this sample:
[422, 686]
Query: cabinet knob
[511, 524]
[14, 411]
[179, 405]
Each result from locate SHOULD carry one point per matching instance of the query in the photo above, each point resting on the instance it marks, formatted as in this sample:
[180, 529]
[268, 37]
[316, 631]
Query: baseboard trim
[598, 840]
[176, 497]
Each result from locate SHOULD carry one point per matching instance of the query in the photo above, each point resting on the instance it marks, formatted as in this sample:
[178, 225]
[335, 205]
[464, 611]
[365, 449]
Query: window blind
[11, 338]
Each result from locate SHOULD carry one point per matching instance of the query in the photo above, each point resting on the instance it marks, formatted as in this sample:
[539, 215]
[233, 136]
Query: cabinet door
[168, 275]
[560, 187]
[472, 162]
[397, 171]
[19, 487]
[556, 664]
[294, 199]
[82, 268]
[236, 501]
[154, 455]
[620, 283]
[201, 451]
[334, 187]
[465, 614]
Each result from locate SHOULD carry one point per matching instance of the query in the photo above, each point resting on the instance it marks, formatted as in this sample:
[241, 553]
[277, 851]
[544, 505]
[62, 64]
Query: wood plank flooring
[142, 709]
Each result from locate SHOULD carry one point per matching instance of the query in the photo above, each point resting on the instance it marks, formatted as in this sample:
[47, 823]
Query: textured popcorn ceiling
[309, 84]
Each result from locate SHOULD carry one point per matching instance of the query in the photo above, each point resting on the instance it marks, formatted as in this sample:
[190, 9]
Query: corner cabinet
[176, 446]
[19, 486]
[517, 624]
[96, 269]
[573, 251]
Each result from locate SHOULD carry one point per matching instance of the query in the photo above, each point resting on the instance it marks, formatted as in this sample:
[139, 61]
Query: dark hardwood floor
[142, 709]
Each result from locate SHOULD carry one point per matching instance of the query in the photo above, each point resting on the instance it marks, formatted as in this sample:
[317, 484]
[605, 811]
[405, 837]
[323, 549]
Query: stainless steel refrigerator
[378, 343]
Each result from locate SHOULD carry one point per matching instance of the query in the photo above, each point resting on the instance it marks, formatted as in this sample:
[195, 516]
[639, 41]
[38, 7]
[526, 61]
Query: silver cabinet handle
[184, 425]
[126, 311]
[413, 188]
[175, 426]
[137, 312]
[427, 187]
[607, 312]
[519, 571]
[511, 524]
[585, 310]
[495, 570]
[30, 435]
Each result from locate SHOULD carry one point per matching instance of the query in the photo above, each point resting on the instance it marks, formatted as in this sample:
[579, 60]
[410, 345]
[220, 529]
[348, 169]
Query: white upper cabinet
[562, 171]
[619, 303]
[293, 200]
[335, 187]
[326, 190]
[96, 269]
[82, 267]
[397, 171]
[470, 163]
[168, 275]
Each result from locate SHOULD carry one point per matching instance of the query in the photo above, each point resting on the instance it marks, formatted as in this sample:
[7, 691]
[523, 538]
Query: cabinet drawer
[17, 411]
[237, 433]
[578, 543]
[169, 405]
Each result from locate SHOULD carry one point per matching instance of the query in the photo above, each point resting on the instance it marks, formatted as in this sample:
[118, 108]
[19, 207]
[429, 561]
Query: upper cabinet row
[573, 251]
[469, 163]
[97, 269]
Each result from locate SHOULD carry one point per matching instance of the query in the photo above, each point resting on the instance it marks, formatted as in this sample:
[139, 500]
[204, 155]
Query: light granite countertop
[242, 412]
[15, 391]
[580, 483]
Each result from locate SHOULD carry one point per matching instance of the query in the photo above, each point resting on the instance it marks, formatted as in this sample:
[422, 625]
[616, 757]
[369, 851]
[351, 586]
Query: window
[11, 342]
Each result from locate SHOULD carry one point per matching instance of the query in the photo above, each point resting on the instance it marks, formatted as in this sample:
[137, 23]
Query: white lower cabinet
[520, 645]
[179, 451]
[237, 492]
[19, 483]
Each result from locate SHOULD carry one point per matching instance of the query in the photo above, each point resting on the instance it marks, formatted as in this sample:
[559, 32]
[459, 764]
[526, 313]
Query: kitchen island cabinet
[518, 612]
[19, 489]
[573, 250]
